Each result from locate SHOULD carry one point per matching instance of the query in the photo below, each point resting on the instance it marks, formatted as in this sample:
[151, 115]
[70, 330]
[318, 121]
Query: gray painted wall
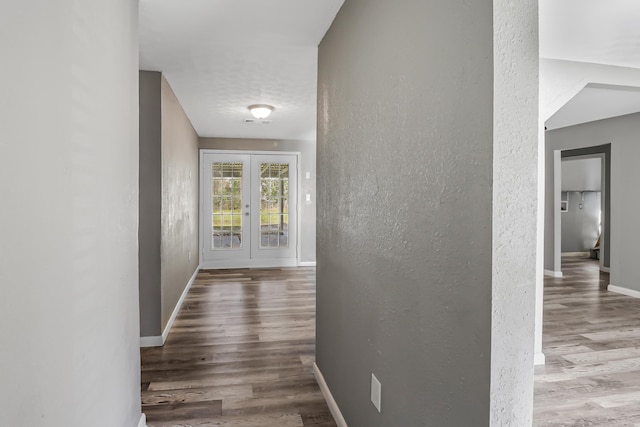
[622, 132]
[307, 150]
[69, 325]
[580, 225]
[168, 202]
[150, 179]
[404, 274]
[180, 177]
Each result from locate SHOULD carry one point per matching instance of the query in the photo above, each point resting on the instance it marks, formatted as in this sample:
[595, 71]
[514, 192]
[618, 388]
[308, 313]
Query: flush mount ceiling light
[261, 111]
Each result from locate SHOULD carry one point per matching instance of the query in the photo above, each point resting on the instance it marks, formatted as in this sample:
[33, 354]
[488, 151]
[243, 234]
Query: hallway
[240, 354]
[591, 340]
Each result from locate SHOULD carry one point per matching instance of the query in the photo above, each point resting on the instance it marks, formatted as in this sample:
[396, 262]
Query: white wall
[582, 174]
[68, 230]
[515, 211]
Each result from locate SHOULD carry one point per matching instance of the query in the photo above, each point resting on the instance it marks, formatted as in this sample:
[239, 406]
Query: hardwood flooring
[591, 339]
[240, 354]
[241, 351]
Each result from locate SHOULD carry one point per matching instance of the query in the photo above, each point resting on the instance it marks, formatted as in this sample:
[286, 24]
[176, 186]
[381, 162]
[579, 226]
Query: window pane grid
[226, 218]
[274, 206]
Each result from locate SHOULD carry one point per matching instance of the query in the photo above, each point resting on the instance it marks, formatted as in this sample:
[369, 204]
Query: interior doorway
[581, 206]
[248, 209]
[603, 154]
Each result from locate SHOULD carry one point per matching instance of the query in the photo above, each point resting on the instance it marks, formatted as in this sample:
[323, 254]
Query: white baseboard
[585, 254]
[624, 291]
[553, 273]
[539, 359]
[333, 406]
[252, 263]
[176, 309]
[307, 264]
[605, 269]
[153, 341]
[143, 421]
[158, 341]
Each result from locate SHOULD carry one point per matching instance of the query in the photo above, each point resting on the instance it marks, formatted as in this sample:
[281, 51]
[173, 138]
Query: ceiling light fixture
[261, 111]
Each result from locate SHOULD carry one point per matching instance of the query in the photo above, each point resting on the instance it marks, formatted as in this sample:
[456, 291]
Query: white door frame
[266, 263]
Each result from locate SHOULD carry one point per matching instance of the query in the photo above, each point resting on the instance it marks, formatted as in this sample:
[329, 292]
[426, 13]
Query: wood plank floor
[240, 354]
[591, 339]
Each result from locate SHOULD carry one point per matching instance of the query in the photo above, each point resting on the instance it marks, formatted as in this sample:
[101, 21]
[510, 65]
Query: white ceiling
[593, 31]
[597, 31]
[221, 56]
[596, 102]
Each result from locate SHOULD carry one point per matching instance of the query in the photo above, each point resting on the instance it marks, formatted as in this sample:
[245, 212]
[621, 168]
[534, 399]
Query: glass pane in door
[226, 210]
[274, 205]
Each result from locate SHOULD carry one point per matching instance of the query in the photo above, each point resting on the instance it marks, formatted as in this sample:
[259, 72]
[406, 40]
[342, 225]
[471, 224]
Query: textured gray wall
[622, 132]
[69, 342]
[179, 224]
[405, 120]
[307, 150]
[150, 180]
[168, 232]
[580, 226]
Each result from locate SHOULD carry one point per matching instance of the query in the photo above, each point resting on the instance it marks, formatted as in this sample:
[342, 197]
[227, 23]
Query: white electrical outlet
[307, 175]
[376, 392]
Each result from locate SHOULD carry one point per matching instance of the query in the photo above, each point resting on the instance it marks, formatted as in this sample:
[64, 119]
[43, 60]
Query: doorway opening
[563, 206]
[581, 207]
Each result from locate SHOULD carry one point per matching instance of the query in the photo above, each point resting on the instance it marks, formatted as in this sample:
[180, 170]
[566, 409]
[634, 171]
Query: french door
[248, 210]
